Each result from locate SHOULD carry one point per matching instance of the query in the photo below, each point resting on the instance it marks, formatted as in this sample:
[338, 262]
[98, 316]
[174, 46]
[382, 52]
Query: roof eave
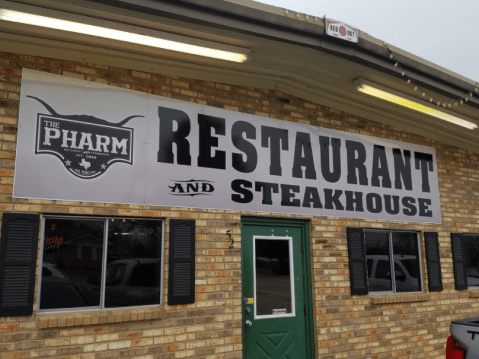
[268, 23]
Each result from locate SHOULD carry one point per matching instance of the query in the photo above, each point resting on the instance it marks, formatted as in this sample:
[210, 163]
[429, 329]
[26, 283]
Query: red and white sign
[341, 30]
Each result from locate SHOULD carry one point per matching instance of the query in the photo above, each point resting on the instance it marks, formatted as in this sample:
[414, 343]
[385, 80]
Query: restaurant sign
[83, 141]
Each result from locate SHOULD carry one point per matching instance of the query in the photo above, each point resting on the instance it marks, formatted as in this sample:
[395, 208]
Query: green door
[276, 290]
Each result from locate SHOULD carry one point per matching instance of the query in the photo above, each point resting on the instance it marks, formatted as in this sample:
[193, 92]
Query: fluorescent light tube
[57, 24]
[410, 102]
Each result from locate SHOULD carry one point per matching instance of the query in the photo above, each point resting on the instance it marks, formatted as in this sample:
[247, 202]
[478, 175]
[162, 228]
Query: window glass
[134, 245]
[86, 252]
[73, 260]
[377, 252]
[406, 262]
[115, 273]
[144, 275]
[383, 270]
[381, 246]
[46, 272]
[370, 263]
[471, 253]
[63, 288]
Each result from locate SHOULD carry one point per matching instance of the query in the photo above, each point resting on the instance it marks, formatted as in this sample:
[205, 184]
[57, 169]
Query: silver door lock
[248, 324]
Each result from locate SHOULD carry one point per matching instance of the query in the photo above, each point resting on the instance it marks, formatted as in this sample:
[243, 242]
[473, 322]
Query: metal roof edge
[273, 23]
[374, 43]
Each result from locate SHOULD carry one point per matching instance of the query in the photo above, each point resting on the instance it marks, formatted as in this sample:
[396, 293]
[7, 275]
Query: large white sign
[84, 141]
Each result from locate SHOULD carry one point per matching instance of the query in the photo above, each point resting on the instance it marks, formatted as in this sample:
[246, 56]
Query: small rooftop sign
[341, 30]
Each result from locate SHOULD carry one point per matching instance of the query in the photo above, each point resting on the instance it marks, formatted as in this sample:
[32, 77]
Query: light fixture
[167, 41]
[410, 102]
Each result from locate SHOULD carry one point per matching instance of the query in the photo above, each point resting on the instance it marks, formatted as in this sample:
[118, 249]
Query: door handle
[248, 324]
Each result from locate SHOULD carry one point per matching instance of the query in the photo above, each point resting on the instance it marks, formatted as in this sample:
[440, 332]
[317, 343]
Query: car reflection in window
[379, 273]
[57, 290]
[129, 282]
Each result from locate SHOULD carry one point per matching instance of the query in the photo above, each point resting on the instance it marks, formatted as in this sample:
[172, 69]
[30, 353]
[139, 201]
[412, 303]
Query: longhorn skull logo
[86, 145]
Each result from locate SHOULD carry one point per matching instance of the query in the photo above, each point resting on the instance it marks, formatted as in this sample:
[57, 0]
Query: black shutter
[458, 261]
[18, 258]
[358, 272]
[181, 283]
[433, 261]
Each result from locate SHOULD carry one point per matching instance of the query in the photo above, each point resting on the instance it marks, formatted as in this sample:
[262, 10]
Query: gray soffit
[243, 19]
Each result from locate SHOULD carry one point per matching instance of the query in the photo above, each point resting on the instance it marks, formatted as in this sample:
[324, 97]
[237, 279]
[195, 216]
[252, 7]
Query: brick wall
[404, 326]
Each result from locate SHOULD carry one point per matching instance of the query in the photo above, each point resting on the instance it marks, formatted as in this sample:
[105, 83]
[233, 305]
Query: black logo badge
[86, 145]
[191, 188]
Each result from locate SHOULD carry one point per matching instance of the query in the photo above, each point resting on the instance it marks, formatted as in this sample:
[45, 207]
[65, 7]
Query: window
[471, 254]
[395, 252]
[100, 263]
[273, 274]
[374, 255]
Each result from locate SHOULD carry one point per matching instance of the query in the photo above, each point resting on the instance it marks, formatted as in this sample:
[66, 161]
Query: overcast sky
[445, 32]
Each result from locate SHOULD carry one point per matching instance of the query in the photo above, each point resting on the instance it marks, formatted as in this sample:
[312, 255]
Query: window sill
[93, 317]
[473, 293]
[398, 298]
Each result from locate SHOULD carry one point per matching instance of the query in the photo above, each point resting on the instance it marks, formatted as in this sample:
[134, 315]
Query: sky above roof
[441, 31]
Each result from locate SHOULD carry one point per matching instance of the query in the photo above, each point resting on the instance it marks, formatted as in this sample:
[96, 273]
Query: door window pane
[64, 273]
[273, 277]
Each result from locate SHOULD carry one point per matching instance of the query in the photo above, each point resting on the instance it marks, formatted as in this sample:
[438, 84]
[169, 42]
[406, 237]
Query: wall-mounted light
[411, 102]
[165, 41]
